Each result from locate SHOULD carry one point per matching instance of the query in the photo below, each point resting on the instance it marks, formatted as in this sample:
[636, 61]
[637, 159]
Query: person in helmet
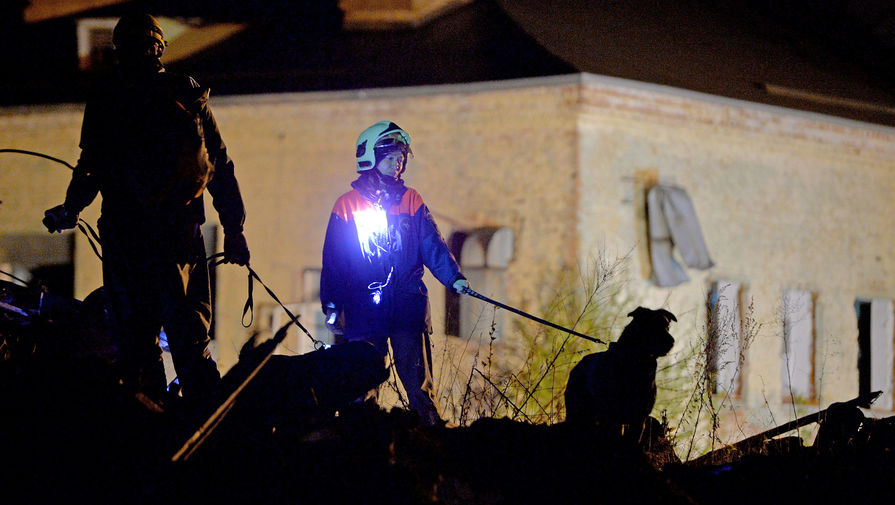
[379, 237]
[151, 147]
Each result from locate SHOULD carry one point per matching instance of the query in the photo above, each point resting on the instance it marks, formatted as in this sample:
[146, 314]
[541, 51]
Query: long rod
[13, 308]
[863, 401]
[514, 310]
[200, 435]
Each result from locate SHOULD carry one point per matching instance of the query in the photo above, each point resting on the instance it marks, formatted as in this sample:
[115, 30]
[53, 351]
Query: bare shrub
[591, 301]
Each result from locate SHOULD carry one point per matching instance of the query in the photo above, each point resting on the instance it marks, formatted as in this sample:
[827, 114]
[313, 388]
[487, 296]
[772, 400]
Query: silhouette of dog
[616, 388]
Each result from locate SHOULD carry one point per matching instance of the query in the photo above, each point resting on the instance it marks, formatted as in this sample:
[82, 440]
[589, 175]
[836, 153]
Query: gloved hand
[334, 321]
[460, 285]
[236, 250]
[59, 218]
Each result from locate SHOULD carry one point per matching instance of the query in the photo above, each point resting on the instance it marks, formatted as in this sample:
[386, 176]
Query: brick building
[531, 178]
[792, 206]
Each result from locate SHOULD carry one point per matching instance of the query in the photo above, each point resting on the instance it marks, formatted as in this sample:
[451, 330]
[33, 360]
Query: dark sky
[840, 49]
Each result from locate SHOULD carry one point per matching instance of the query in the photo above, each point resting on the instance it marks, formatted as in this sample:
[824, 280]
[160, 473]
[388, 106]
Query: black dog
[616, 388]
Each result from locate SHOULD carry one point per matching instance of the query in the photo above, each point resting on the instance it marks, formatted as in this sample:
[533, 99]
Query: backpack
[183, 154]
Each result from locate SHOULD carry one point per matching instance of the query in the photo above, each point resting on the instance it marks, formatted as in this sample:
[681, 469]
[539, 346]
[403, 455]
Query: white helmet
[378, 140]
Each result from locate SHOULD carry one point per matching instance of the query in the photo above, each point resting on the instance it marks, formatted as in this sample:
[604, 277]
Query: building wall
[785, 200]
[485, 155]
[472, 145]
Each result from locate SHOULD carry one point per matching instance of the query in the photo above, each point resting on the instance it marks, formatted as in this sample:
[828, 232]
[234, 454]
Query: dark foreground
[68, 435]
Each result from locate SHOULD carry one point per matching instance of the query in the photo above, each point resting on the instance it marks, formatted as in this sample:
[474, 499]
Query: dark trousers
[146, 292]
[412, 355]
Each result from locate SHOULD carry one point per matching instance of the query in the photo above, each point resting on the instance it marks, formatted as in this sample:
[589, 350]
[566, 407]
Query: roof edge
[642, 88]
[406, 91]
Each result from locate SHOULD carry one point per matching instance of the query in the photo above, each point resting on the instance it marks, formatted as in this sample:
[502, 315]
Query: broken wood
[200, 435]
[265, 392]
[748, 444]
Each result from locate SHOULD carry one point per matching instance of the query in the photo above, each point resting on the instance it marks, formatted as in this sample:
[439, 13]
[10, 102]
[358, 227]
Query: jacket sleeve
[83, 188]
[436, 255]
[223, 187]
[335, 273]
[84, 185]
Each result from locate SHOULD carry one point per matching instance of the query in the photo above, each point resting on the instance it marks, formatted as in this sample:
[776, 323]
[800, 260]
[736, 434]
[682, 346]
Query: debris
[755, 443]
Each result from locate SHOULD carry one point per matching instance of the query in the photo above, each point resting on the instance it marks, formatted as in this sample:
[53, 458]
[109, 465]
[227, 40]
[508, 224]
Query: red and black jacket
[373, 258]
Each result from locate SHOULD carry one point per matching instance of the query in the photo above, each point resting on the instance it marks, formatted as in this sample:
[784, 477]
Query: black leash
[39, 155]
[473, 294]
[81, 223]
[214, 420]
[14, 277]
[95, 244]
[249, 307]
[92, 237]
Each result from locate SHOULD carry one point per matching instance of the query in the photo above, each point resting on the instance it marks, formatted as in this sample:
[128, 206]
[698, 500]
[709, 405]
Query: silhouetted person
[616, 388]
[150, 146]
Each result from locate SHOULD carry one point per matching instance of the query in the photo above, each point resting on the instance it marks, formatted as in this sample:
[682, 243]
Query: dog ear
[668, 315]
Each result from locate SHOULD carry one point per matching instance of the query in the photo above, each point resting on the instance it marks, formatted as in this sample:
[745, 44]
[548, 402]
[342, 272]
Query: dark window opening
[210, 236]
[862, 308]
[452, 299]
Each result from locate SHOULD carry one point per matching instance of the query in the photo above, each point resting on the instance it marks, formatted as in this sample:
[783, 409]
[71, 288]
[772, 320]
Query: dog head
[648, 332]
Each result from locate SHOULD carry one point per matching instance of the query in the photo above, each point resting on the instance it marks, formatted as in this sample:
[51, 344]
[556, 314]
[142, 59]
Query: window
[270, 317]
[95, 43]
[798, 345]
[724, 348]
[875, 349]
[674, 228]
[483, 255]
[40, 260]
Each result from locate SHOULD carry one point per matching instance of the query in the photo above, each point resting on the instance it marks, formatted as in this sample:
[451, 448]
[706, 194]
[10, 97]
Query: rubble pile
[294, 434]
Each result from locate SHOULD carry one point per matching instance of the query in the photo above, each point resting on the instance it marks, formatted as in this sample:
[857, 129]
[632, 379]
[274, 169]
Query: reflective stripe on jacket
[373, 262]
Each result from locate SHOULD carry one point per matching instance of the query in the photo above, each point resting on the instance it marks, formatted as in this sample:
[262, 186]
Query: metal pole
[744, 445]
[474, 294]
[199, 436]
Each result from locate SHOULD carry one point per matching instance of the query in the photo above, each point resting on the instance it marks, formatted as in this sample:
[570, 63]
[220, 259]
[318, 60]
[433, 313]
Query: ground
[291, 433]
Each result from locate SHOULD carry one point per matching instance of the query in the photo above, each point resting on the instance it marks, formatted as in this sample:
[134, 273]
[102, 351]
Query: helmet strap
[378, 188]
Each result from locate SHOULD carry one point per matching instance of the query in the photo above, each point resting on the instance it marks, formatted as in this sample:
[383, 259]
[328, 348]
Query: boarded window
[270, 317]
[875, 349]
[798, 345]
[674, 228]
[724, 347]
[39, 259]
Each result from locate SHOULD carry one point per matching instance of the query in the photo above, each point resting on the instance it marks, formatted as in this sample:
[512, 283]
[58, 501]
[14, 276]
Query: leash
[249, 307]
[39, 155]
[467, 290]
[94, 240]
[95, 243]
[92, 237]
[25, 284]
[204, 431]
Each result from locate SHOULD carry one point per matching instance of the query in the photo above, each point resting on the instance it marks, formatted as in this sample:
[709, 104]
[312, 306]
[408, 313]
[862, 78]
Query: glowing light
[377, 287]
[372, 231]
